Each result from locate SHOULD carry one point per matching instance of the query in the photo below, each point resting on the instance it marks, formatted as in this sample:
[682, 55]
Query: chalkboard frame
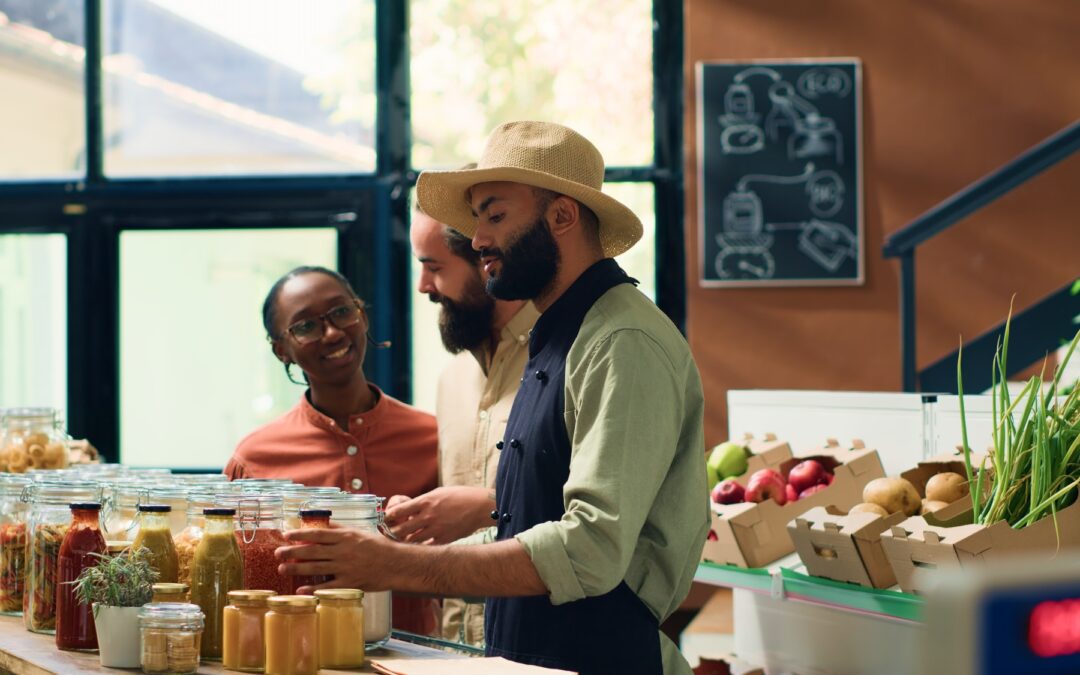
[704, 195]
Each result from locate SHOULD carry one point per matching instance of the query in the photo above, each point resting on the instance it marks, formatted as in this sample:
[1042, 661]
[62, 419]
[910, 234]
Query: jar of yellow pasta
[31, 438]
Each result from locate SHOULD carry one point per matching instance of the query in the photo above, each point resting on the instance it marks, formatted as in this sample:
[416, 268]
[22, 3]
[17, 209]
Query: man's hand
[441, 516]
[339, 552]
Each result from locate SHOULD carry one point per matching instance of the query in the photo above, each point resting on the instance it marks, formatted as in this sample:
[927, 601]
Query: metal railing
[903, 243]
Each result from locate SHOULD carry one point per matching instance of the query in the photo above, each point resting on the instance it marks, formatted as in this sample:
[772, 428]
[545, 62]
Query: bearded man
[476, 390]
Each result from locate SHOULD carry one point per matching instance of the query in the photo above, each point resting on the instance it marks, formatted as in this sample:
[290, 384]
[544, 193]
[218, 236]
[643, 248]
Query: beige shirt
[473, 404]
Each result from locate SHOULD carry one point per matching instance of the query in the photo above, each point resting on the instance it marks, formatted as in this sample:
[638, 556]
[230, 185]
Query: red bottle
[75, 621]
[313, 519]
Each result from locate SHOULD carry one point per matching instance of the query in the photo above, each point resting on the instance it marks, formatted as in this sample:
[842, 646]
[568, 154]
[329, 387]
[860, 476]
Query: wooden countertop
[26, 653]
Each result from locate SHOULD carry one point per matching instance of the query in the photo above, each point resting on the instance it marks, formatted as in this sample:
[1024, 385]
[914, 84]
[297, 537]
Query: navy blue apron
[601, 635]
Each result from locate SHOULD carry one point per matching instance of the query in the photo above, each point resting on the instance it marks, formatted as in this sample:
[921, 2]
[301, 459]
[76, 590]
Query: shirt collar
[516, 331]
[568, 311]
[312, 415]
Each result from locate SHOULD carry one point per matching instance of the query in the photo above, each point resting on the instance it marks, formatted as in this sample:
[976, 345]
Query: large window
[33, 320]
[204, 87]
[196, 371]
[165, 160]
[42, 117]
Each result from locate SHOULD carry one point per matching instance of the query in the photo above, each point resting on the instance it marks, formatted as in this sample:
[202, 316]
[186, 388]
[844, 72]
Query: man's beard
[528, 265]
[465, 324]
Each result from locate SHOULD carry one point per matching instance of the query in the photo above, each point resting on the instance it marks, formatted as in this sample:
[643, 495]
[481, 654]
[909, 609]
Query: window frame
[92, 212]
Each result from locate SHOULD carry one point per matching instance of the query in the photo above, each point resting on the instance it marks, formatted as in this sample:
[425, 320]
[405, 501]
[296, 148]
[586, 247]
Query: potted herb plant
[117, 586]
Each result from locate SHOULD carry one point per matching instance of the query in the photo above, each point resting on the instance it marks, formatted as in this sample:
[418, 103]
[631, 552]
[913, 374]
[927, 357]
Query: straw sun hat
[540, 154]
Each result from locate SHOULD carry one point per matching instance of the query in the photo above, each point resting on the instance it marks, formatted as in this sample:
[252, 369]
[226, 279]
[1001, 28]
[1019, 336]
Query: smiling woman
[344, 432]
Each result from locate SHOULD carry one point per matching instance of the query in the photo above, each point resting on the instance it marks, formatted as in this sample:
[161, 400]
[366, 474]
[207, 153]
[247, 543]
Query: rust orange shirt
[389, 450]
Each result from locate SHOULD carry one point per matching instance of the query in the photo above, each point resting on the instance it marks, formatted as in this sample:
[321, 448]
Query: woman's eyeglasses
[313, 329]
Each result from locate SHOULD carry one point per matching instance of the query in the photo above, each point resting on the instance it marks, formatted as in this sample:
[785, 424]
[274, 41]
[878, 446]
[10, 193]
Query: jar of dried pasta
[169, 638]
[31, 438]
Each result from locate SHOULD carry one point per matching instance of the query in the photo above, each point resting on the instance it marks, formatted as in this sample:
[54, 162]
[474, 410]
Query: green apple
[728, 459]
[714, 477]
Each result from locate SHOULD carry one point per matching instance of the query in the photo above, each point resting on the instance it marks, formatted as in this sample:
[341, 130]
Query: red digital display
[1054, 628]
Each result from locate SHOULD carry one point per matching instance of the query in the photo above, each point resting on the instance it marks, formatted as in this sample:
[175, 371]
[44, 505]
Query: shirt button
[357, 483]
[483, 414]
[358, 421]
[522, 338]
[351, 450]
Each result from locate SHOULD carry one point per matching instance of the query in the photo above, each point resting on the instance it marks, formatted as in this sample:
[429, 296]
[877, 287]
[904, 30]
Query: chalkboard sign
[780, 173]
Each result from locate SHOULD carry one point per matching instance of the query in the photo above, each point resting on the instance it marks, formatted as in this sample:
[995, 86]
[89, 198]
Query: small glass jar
[364, 512]
[169, 637]
[121, 514]
[31, 438]
[315, 519]
[292, 636]
[155, 536]
[244, 634]
[187, 540]
[259, 534]
[341, 621]
[13, 513]
[47, 524]
[216, 570]
[170, 593]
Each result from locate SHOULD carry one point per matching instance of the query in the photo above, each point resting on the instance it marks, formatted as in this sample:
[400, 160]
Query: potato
[946, 487]
[869, 508]
[893, 494]
[930, 505]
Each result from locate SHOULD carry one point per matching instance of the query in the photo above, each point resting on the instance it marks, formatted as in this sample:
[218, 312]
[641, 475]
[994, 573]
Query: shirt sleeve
[623, 406]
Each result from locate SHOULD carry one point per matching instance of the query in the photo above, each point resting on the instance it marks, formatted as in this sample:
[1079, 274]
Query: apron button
[506, 517]
[515, 443]
[541, 375]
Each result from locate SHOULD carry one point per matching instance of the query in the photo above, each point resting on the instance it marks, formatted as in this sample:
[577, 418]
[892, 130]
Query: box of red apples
[751, 512]
[843, 546]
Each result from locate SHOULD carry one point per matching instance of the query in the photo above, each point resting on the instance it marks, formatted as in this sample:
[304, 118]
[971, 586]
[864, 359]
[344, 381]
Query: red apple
[728, 492]
[813, 489]
[766, 484]
[789, 493]
[807, 474]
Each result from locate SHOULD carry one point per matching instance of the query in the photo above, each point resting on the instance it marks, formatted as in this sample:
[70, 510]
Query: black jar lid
[316, 513]
[85, 506]
[219, 511]
[154, 508]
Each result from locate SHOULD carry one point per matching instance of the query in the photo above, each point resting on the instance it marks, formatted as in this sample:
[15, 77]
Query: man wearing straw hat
[601, 499]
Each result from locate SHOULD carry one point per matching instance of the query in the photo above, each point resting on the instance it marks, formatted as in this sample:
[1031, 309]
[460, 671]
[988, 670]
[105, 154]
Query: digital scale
[1018, 616]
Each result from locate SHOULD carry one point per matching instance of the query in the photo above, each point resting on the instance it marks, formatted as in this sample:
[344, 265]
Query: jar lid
[170, 589]
[219, 511]
[250, 598]
[154, 508]
[315, 513]
[340, 594]
[162, 614]
[85, 506]
[292, 601]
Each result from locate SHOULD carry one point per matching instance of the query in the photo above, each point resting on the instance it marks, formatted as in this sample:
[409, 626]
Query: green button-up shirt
[637, 498]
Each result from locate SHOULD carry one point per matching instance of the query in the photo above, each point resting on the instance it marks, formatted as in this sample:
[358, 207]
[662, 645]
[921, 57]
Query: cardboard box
[947, 538]
[754, 535]
[835, 545]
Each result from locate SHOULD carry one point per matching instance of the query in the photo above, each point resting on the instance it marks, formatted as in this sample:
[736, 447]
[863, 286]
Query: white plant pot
[118, 635]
